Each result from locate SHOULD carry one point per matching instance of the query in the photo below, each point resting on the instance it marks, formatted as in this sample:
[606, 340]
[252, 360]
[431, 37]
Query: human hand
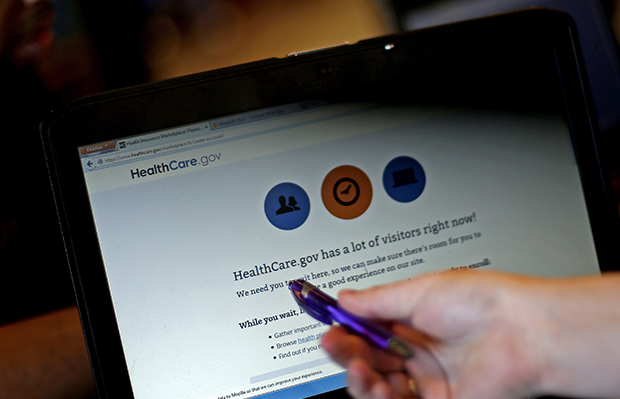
[474, 335]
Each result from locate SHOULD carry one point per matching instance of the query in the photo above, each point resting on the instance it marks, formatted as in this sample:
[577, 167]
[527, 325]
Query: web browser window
[202, 226]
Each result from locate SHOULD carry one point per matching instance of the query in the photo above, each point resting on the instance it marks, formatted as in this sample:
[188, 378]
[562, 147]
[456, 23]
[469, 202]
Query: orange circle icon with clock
[346, 192]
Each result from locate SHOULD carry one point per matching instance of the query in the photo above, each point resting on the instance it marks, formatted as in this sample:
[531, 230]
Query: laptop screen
[201, 226]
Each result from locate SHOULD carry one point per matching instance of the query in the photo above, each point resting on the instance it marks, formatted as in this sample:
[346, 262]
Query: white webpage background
[171, 244]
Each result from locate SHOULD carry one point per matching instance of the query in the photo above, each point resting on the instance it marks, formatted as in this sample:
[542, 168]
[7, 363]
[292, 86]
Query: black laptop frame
[441, 65]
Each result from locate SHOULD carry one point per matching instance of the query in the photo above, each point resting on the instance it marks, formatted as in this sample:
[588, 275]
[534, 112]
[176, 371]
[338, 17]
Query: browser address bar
[134, 155]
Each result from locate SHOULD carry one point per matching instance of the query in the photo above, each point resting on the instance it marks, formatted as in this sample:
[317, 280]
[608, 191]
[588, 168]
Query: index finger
[394, 301]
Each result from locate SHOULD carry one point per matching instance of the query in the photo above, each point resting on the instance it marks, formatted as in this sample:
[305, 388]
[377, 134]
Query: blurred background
[101, 46]
[115, 44]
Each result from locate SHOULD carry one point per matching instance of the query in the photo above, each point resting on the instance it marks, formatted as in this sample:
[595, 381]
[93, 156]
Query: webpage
[200, 240]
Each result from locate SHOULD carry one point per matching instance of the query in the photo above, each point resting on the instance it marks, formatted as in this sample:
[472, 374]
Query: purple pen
[325, 309]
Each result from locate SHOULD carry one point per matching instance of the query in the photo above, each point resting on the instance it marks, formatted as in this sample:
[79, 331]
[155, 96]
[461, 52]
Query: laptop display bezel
[455, 64]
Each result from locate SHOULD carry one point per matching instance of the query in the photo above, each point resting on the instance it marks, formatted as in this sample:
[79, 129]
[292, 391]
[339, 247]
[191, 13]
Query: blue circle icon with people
[287, 206]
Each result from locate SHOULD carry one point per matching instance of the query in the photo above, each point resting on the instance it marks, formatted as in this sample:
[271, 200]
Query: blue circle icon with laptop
[404, 179]
[287, 206]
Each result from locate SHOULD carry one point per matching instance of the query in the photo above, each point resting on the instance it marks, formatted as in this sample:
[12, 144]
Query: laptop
[187, 205]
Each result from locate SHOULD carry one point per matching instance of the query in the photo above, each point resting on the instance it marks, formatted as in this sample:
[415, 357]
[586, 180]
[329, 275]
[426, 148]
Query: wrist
[579, 351]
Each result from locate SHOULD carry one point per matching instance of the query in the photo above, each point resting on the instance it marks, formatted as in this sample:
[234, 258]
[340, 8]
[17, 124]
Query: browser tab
[98, 148]
[241, 119]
